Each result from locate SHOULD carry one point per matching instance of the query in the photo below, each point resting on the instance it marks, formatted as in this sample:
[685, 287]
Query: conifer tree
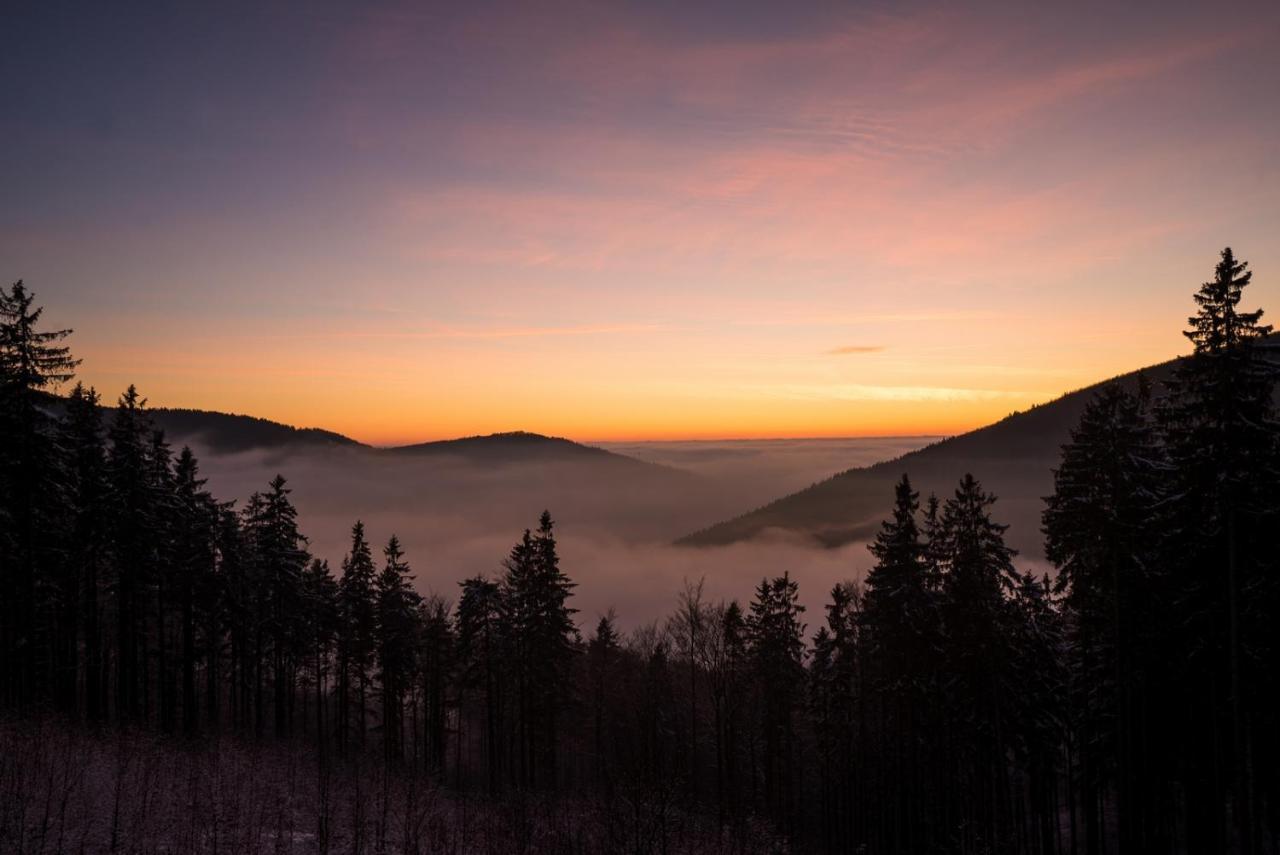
[320, 607]
[436, 665]
[357, 635]
[1096, 527]
[397, 632]
[542, 634]
[230, 618]
[131, 520]
[165, 580]
[480, 658]
[194, 556]
[1038, 713]
[837, 700]
[978, 571]
[776, 636]
[1218, 426]
[82, 448]
[603, 650]
[280, 557]
[32, 363]
[899, 623]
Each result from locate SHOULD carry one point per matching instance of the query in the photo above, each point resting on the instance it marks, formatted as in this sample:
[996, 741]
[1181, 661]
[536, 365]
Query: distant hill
[1013, 459]
[226, 433]
[519, 447]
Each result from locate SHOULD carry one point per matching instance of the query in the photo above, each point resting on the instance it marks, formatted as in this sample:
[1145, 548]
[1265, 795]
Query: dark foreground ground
[64, 789]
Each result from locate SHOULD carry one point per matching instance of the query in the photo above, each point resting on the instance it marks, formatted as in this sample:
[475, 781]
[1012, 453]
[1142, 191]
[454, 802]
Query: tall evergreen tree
[1096, 525]
[132, 509]
[321, 626]
[481, 644]
[776, 636]
[32, 363]
[194, 556]
[838, 705]
[1218, 425]
[603, 649]
[397, 632]
[978, 571]
[539, 624]
[82, 447]
[357, 637]
[436, 652]
[165, 580]
[280, 556]
[900, 622]
[1038, 712]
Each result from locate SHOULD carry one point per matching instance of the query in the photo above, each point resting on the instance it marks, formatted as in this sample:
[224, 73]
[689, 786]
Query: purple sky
[633, 220]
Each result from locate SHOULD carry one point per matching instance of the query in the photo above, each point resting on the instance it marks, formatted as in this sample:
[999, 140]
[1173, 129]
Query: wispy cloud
[497, 332]
[855, 348]
[864, 392]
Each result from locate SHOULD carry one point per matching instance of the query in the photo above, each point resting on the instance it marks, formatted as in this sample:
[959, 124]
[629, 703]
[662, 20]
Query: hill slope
[520, 447]
[447, 495]
[226, 433]
[1013, 458]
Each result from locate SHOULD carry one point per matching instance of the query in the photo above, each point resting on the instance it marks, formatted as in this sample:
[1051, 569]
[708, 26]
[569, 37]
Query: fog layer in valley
[757, 471]
[615, 519]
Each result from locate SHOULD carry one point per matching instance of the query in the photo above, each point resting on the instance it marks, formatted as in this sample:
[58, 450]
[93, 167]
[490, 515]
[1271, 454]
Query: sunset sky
[632, 220]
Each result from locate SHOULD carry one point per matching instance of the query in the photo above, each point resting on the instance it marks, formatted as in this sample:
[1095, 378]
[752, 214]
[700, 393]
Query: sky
[632, 220]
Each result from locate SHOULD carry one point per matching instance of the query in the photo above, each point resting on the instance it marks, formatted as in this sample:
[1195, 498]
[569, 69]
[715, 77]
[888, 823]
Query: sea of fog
[457, 519]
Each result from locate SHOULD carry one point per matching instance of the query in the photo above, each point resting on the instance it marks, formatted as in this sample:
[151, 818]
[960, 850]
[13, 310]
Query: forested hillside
[1016, 457]
[179, 673]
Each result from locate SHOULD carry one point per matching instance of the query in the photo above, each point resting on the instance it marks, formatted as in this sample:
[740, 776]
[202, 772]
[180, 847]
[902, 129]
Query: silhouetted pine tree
[397, 632]
[232, 604]
[1096, 527]
[436, 652]
[1218, 425]
[776, 636]
[132, 523]
[977, 572]
[838, 707]
[603, 650]
[900, 619]
[194, 561]
[83, 450]
[357, 636]
[31, 364]
[481, 643]
[279, 558]
[1038, 714]
[321, 626]
[542, 637]
[164, 582]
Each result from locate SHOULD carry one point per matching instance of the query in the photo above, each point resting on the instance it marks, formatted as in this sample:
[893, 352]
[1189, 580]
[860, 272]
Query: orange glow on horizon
[868, 222]
[782, 404]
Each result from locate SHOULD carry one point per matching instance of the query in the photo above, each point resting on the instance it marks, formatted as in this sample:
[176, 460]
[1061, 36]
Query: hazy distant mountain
[1013, 459]
[450, 493]
[521, 447]
[225, 433]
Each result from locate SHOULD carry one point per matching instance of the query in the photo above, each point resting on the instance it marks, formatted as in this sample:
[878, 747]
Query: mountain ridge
[222, 433]
[231, 433]
[1013, 458]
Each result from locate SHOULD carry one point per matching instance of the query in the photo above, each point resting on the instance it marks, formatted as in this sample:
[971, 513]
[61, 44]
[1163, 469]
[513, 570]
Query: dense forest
[178, 673]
